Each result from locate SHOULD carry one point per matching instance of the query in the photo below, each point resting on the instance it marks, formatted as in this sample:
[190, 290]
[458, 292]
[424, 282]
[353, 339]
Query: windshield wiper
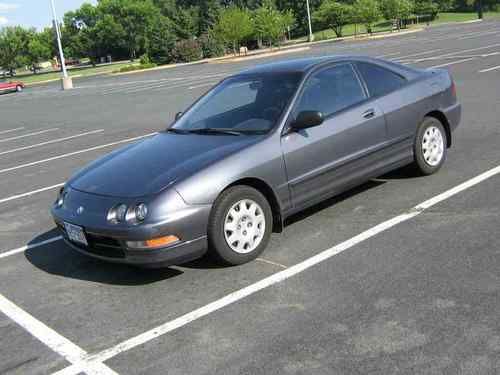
[214, 131]
[177, 131]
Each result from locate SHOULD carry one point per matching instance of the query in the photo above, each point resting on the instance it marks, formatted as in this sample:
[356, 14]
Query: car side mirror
[178, 115]
[307, 119]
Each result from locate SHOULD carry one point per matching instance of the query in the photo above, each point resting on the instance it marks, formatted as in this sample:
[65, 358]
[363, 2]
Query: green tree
[366, 12]
[13, 47]
[299, 10]
[426, 7]
[396, 10]
[288, 20]
[38, 50]
[209, 15]
[270, 24]
[161, 40]
[135, 18]
[334, 15]
[235, 25]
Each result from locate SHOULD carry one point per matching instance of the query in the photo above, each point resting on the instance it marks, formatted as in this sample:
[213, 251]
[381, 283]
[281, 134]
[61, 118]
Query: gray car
[258, 147]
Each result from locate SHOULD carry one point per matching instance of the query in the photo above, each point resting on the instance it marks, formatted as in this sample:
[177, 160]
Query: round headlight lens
[117, 213]
[121, 211]
[60, 198]
[141, 211]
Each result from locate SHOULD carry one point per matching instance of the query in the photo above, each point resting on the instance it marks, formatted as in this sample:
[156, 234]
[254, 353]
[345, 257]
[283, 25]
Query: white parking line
[166, 85]
[58, 343]
[51, 142]
[22, 249]
[388, 55]
[273, 279]
[11, 130]
[163, 83]
[29, 135]
[461, 51]
[478, 35]
[24, 195]
[75, 153]
[490, 69]
[202, 85]
[401, 58]
[452, 63]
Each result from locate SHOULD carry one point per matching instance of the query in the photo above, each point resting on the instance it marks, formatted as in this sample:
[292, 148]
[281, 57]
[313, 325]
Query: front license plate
[75, 233]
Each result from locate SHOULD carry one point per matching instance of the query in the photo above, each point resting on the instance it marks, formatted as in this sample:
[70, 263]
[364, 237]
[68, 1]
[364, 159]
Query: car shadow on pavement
[57, 258]
[403, 173]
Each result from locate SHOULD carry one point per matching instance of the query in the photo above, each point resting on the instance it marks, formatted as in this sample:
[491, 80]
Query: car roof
[304, 65]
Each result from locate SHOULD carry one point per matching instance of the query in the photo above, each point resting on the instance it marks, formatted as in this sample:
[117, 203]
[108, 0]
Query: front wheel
[430, 146]
[240, 225]
[19, 88]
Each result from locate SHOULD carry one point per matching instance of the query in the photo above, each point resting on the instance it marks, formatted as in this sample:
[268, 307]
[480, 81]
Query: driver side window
[331, 90]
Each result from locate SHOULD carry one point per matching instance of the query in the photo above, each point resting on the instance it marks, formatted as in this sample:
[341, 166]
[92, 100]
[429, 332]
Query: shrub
[131, 68]
[186, 51]
[145, 60]
[211, 46]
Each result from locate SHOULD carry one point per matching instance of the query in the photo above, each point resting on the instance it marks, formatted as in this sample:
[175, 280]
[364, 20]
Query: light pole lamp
[311, 36]
[67, 82]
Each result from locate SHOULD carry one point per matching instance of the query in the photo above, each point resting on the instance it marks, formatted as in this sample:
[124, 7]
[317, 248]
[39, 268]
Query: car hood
[149, 166]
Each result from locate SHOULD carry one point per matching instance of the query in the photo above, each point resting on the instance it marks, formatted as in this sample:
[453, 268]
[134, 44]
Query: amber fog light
[154, 243]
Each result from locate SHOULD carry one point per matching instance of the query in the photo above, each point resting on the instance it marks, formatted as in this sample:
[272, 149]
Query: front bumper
[170, 215]
[179, 253]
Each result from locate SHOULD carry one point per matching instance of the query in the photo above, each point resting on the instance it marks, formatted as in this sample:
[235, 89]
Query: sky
[34, 13]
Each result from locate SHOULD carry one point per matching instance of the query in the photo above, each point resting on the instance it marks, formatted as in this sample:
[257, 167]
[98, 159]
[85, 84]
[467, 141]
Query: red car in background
[11, 87]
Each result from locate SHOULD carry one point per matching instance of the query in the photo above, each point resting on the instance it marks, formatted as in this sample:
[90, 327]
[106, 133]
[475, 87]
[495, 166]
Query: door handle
[369, 114]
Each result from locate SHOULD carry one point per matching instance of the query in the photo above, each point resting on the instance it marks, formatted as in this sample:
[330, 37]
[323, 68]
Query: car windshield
[244, 104]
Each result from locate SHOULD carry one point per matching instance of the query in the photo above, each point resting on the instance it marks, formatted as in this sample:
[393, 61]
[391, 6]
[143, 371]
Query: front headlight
[61, 197]
[141, 211]
[133, 214]
[117, 213]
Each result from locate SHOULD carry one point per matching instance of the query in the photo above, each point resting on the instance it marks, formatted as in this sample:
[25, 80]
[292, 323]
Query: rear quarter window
[379, 81]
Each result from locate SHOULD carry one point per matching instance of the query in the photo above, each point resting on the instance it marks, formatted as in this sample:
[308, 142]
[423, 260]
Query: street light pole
[311, 36]
[67, 82]
[480, 9]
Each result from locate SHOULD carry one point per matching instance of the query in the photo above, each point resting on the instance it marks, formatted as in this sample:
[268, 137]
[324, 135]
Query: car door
[397, 100]
[322, 160]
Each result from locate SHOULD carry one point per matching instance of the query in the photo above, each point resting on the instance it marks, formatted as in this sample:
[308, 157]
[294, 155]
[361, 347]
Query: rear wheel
[19, 88]
[240, 225]
[430, 146]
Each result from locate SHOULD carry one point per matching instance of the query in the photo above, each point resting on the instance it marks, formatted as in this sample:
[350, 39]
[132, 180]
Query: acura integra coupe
[258, 147]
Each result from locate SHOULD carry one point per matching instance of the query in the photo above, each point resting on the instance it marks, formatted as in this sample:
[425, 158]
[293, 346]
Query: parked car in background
[6, 73]
[6, 87]
[258, 147]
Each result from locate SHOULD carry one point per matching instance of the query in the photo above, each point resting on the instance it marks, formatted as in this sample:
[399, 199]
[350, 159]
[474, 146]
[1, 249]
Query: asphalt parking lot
[398, 276]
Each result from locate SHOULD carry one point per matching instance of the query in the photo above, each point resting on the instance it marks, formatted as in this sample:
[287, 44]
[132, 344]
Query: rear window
[380, 81]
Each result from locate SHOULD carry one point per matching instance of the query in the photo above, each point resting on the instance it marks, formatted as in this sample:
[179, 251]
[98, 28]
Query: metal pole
[480, 9]
[311, 36]
[67, 83]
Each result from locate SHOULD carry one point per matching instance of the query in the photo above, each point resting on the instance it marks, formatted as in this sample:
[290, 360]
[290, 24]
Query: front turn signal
[154, 243]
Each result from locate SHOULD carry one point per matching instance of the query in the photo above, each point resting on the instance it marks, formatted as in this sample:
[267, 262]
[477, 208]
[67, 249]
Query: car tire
[430, 147]
[240, 225]
[19, 88]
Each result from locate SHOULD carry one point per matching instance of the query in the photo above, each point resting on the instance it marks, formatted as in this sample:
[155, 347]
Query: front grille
[99, 245]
